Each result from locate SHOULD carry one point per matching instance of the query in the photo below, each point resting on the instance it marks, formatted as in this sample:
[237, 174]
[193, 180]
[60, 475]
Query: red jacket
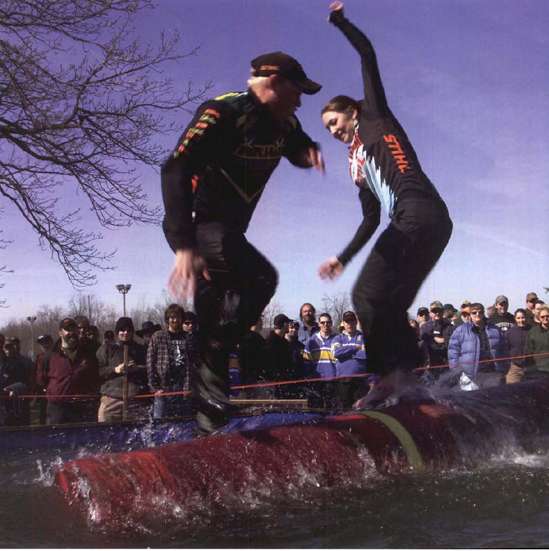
[60, 375]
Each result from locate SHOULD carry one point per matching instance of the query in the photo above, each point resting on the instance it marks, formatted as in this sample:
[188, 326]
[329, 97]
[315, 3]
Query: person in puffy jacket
[472, 348]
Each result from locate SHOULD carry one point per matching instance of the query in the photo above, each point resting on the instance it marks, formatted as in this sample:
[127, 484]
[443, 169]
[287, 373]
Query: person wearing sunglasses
[478, 350]
[537, 343]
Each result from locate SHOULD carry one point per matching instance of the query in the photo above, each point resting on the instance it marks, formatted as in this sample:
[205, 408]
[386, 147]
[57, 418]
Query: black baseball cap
[44, 338]
[65, 323]
[278, 63]
[349, 316]
[280, 320]
[422, 310]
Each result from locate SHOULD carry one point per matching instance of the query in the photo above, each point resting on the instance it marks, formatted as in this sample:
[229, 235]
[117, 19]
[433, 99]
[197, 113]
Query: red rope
[278, 383]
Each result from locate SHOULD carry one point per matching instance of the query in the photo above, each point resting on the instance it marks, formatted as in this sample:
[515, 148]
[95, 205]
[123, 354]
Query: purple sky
[468, 81]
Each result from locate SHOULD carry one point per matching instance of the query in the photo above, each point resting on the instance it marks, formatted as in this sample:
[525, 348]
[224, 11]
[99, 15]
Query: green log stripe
[404, 437]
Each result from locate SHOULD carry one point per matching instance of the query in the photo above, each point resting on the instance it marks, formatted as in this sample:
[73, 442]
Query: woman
[385, 167]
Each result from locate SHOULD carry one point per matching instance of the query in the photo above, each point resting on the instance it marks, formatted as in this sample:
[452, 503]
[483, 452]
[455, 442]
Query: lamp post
[31, 320]
[124, 289]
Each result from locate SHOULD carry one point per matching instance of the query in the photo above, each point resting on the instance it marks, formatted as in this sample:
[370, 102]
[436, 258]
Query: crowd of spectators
[77, 378]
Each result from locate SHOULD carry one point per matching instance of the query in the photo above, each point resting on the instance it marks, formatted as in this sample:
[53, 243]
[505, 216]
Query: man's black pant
[242, 283]
[400, 261]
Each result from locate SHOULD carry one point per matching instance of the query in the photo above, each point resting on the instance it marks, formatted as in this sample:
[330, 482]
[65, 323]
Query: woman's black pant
[242, 283]
[400, 261]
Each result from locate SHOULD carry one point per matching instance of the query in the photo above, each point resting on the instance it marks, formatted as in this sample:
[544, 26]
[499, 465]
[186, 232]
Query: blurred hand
[337, 6]
[182, 282]
[316, 160]
[331, 269]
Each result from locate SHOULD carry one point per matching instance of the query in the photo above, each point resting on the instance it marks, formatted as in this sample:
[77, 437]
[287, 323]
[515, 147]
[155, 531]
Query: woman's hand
[331, 268]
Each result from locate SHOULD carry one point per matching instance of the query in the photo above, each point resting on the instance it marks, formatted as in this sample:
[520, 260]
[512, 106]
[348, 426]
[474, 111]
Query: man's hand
[188, 264]
[119, 369]
[316, 160]
[331, 269]
[337, 6]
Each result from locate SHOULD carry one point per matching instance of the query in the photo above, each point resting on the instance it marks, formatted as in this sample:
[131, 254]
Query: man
[108, 336]
[348, 351]
[422, 315]
[190, 322]
[320, 362]
[449, 313]
[219, 170]
[472, 348]
[69, 368]
[92, 334]
[309, 326]
[146, 332]
[464, 315]
[502, 318]
[38, 405]
[538, 305]
[280, 354]
[83, 325]
[516, 337]
[537, 342]
[297, 348]
[254, 361]
[170, 365]
[22, 369]
[436, 335]
[531, 299]
[113, 371]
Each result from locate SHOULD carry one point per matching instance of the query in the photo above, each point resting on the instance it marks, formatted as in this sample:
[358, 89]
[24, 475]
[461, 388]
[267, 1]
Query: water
[501, 502]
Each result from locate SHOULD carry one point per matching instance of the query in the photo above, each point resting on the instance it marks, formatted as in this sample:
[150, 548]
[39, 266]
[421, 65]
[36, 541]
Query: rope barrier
[273, 383]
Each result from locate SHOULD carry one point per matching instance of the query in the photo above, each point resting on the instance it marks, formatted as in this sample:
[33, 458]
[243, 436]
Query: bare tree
[273, 309]
[88, 122]
[89, 305]
[336, 305]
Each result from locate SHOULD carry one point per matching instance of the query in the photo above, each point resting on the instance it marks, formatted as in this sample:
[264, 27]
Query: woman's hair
[341, 104]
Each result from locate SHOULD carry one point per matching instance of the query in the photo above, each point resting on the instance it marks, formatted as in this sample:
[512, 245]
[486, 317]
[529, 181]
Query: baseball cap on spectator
[501, 298]
[278, 63]
[65, 323]
[123, 323]
[280, 320]
[422, 311]
[44, 338]
[530, 297]
[465, 302]
[349, 316]
[190, 316]
[449, 307]
[436, 305]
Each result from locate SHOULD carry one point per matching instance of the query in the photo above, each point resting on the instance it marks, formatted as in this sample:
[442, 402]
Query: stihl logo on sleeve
[398, 154]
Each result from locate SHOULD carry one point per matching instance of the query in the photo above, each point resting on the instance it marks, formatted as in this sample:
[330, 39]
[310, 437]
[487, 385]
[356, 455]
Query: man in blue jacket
[350, 356]
[475, 350]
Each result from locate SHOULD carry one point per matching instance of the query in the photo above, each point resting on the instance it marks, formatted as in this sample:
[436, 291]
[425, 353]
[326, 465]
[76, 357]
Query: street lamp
[124, 290]
[31, 320]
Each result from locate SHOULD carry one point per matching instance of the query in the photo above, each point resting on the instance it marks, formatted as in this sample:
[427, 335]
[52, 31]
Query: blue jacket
[349, 354]
[464, 348]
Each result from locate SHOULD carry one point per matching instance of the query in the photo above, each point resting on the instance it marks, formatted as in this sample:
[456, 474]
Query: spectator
[92, 334]
[297, 348]
[422, 315]
[490, 311]
[10, 387]
[254, 361]
[502, 318]
[320, 362]
[465, 316]
[425, 374]
[38, 405]
[348, 351]
[69, 368]
[190, 322]
[465, 305]
[449, 313]
[170, 365]
[538, 305]
[112, 373]
[280, 354]
[531, 299]
[436, 335]
[83, 325]
[108, 336]
[516, 337]
[146, 332]
[537, 342]
[471, 347]
[22, 369]
[309, 326]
